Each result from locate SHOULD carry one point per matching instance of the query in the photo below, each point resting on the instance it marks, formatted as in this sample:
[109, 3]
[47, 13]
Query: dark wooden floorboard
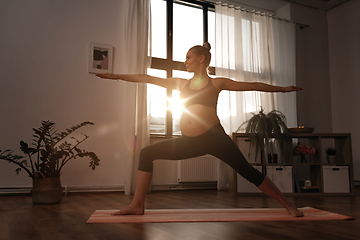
[21, 220]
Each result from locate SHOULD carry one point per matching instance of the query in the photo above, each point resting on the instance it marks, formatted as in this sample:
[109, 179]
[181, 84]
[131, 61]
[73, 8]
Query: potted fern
[45, 161]
[263, 127]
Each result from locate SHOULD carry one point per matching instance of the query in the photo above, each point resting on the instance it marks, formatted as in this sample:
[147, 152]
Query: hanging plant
[263, 127]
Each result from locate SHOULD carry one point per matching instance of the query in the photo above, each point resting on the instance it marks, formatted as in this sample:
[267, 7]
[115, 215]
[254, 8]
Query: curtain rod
[302, 26]
[255, 11]
[212, 3]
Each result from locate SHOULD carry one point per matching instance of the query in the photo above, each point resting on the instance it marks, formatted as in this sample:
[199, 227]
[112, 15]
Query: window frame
[169, 64]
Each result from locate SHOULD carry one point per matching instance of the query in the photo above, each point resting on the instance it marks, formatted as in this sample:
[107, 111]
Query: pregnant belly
[197, 119]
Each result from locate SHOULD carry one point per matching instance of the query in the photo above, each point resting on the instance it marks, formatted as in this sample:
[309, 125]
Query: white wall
[284, 12]
[44, 76]
[344, 49]
[327, 69]
[312, 69]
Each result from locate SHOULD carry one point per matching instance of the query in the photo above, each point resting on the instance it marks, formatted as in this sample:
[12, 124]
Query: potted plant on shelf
[331, 155]
[51, 151]
[263, 127]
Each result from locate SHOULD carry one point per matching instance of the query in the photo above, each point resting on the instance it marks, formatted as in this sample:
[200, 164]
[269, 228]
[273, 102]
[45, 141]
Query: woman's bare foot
[270, 189]
[131, 210]
[293, 211]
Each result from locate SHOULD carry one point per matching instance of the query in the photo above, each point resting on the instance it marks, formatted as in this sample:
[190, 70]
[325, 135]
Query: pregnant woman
[200, 126]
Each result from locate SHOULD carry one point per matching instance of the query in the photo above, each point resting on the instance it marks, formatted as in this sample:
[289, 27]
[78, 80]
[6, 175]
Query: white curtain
[137, 30]
[253, 47]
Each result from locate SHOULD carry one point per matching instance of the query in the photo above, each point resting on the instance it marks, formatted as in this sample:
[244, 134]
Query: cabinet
[310, 174]
[281, 177]
[336, 179]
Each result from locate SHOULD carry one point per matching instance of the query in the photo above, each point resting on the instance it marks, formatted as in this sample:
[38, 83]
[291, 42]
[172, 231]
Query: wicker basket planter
[46, 190]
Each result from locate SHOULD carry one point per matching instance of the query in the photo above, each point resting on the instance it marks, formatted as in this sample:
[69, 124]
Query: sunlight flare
[175, 105]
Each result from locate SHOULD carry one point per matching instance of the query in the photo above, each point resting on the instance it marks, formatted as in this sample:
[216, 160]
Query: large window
[176, 26]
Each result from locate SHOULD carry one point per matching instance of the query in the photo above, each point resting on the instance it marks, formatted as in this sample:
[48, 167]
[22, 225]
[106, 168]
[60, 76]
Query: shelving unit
[325, 178]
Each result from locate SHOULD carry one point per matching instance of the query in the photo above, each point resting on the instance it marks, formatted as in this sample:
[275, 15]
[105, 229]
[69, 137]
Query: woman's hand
[107, 76]
[291, 88]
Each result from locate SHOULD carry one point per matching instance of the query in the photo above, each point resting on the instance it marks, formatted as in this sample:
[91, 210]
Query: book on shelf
[310, 189]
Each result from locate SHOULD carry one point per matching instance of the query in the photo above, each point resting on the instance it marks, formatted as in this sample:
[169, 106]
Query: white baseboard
[14, 190]
[67, 189]
[109, 188]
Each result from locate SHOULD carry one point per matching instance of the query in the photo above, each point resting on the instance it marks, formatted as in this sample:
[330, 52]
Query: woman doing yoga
[200, 126]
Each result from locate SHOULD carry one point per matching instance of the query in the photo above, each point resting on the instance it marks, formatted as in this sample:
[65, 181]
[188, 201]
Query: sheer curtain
[253, 47]
[137, 34]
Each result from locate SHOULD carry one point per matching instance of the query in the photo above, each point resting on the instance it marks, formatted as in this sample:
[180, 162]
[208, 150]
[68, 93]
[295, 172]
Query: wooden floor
[21, 220]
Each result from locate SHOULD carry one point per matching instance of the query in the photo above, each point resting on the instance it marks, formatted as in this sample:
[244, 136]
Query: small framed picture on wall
[101, 58]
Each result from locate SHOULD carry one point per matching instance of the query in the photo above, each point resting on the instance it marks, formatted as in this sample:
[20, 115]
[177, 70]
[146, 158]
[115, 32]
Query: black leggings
[214, 142]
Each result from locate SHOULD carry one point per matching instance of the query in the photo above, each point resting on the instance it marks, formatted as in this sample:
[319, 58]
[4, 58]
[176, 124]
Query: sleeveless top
[207, 96]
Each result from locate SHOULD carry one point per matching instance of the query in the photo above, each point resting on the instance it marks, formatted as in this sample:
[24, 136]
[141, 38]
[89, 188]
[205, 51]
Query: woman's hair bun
[207, 45]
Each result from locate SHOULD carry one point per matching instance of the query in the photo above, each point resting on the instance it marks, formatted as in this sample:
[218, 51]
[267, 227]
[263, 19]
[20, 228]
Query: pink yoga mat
[214, 215]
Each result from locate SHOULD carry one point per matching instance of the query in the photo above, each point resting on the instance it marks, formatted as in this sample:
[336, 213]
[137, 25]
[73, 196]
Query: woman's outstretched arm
[172, 83]
[231, 85]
